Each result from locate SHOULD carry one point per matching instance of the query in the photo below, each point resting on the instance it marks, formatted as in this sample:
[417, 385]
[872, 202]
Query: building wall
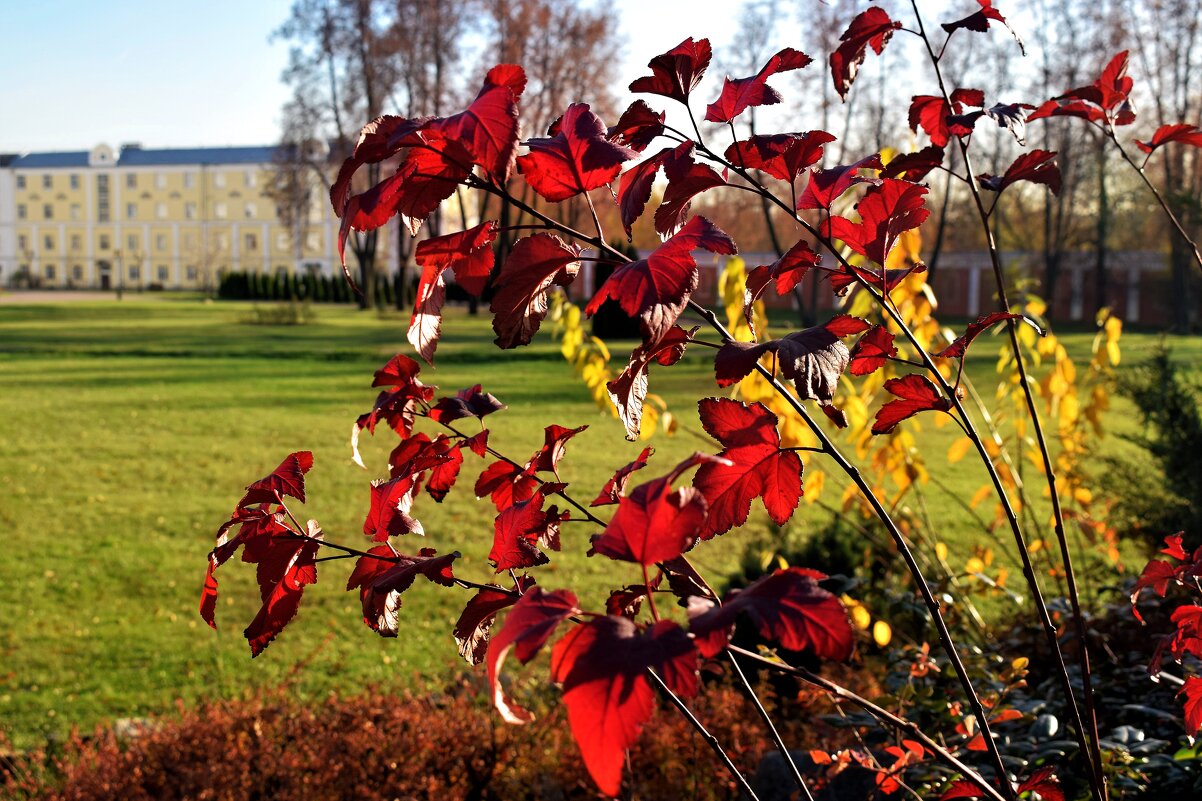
[99, 223]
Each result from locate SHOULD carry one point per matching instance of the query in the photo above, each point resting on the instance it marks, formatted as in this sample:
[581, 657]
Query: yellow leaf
[980, 495]
[815, 481]
[958, 449]
[882, 633]
[1020, 663]
[941, 551]
[860, 617]
[974, 565]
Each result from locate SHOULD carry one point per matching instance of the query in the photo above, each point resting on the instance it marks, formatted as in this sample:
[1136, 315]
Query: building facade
[137, 218]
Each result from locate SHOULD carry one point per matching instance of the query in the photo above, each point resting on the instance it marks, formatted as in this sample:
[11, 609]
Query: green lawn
[128, 430]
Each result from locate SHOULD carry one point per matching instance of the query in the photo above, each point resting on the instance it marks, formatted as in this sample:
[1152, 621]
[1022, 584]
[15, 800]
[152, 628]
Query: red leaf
[887, 210]
[675, 74]
[517, 532]
[615, 488]
[634, 188]
[686, 179]
[443, 475]
[506, 483]
[740, 94]
[286, 567]
[555, 444]
[388, 515]
[629, 389]
[1035, 166]
[1173, 547]
[470, 402]
[287, 479]
[872, 28]
[789, 608]
[813, 358]
[914, 166]
[529, 624]
[825, 186]
[1183, 133]
[488, 128]
[602, 666]
[787, 272]
[469, 253]
[1104, 99]
[917, 395]
[401, 372]
[378, 141]
[656, 289]
[577, 159]
[938, 119]
[979, 22]
[208, 595]
[535, 265]
[1156, 576]
[961, 343]
[1193, 704]
[1043, 782]
[842, 279]
[654, 523]
[384, 575]
[782, 156]
[757, 467]
[474, 626]
[872, 351]
[637, 127]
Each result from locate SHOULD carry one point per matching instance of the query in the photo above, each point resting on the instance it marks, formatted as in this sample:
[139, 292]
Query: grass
[127, 432]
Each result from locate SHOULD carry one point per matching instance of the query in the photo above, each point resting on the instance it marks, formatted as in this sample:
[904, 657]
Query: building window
[134, 273]
[47, 182]
[219, 179]
[163, 273]
[131, 180]
[20, 182]
[131, 242]
[160, 180]
[74, 181]
[21, 212]
[219, 211]
[251, 211]
[76, 211]
[48, 211]
[48, 242]
[223, 241]
[189, 241]
[131, 211]
[104, 241]
[250, 178]
[190, 271]
[77, 272]
[252, 242]
[190, 211]
[281, 241]
[313, 241]
[160, 241]
[49, 270]
[189, 180]
[76, 242]
[22, 242]
[102, 198]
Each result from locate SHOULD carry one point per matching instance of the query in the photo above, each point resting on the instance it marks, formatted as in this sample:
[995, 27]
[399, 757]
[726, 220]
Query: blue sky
[172, 74]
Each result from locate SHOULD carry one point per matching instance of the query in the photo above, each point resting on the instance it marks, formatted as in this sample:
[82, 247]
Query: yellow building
[164, 219]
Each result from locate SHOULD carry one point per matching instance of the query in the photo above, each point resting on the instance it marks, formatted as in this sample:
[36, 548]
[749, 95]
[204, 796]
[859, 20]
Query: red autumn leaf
[284, 570]
[1157, 575]
[470, 402]
[637, 127]
[615, 488]
[887, 210]
[546, 459]
[675, 74]
[914, 166]
[602, 666]
[577, 159]
[1183, 133]
[758, 467]
[825, 186]
[935, 116]
[401, 372]
[917, 394]
[872, 351]
[443, 476]
[474, 627]
[789, 608]
[842, 279]
[378, 141]
[654, 523]
[528, 625]
[656, 289]
[813, 358]
[383, 575]
[488, 128]
[787, 272]
[256, 524]
[629, 389]
[872, 28]
[469, 253]
[391, 502]
[1192, 690]
[208, 596]
[287, 479]
[958, 347]
[1110, 91]
[535, 265]
[634, 188]
[506, 483]
[517, 532]
[979, 22]
[740, 94]
[1035, 166]
[782, 156]
[687, 178]
[1173, 546]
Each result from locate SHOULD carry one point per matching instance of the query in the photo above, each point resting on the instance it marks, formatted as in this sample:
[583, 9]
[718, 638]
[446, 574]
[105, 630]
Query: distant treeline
[310, 287]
